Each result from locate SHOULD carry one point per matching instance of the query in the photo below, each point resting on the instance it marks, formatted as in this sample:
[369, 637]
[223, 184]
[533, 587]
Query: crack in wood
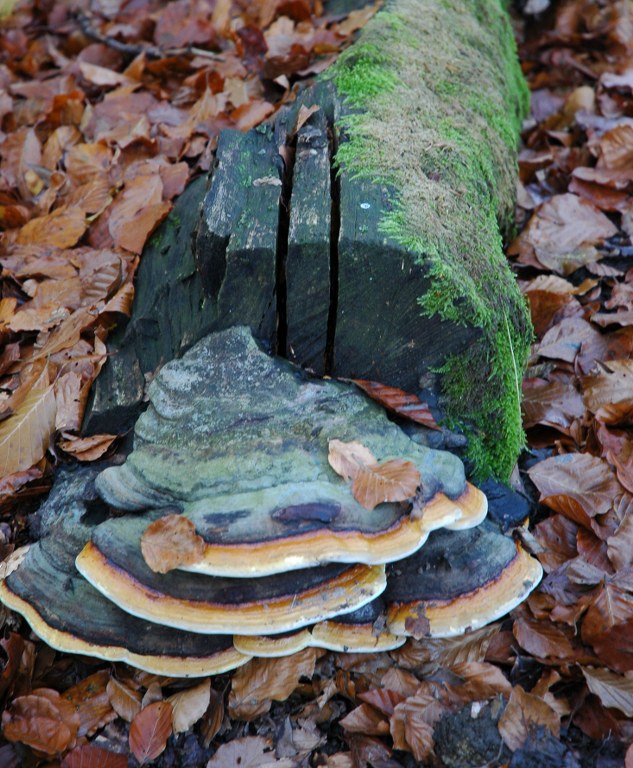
[335, 227]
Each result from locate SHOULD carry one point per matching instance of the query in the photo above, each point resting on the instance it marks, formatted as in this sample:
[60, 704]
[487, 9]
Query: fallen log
[365, 242]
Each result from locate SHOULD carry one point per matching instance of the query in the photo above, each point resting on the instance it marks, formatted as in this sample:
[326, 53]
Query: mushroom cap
[362, 631]
[43, 585]
[211, 604]
[300, 525]
[459, 581]
[80, 620]
[238, 441]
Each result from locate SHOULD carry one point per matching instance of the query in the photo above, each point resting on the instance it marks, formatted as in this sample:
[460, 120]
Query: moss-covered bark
[437, 99]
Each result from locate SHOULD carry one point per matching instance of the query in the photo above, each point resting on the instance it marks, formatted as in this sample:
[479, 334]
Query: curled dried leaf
[171, 541]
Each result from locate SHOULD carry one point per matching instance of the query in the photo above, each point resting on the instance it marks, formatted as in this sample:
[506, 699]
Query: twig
[134, 49]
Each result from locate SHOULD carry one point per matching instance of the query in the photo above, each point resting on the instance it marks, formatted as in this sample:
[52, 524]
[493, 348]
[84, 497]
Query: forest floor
[107, 111]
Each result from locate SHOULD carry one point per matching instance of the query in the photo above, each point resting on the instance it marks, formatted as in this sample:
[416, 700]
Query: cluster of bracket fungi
[236, 441]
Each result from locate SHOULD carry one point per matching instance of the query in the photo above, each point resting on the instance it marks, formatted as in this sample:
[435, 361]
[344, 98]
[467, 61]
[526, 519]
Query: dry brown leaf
[212, 721]
[248, 752]
[394, 480]
[170, 542]
[398, 401]
[60, 229]
[542, 639]
[613, 690]
[190, 705]
[121, 302]
[137, 211]
[563, 231]
[620, 545]
[365, 719]
[25, 435]
[43, 720]
[150, 730]
[90, 756]
[87, 448]
[412, 724]
[373, 483]
[125, 701]
[524, 713]
[346, 458]
[481, 681]
[68, 399]
[254, 685]
[580, 486]
[305, 113]
[608, 394]
[90, 699]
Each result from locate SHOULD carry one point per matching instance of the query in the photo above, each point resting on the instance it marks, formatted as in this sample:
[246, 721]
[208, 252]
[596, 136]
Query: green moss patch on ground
[437, 101]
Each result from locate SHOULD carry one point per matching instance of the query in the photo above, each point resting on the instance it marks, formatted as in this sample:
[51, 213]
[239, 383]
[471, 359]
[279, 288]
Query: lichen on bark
[437, 99]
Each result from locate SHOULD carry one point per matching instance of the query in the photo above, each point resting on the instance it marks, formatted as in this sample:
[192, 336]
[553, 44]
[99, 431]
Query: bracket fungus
[234, 444]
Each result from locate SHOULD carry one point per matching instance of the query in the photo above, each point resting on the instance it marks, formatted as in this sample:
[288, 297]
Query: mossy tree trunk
[376, 252]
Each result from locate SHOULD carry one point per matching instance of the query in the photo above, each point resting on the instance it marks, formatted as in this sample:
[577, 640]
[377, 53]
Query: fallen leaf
[60, 229]
[305, 113]
[90, 700]
[365, 719]
[394, 480]
[248, 752]
[255, 684]
[373, 483]
[579, 486]
[446, 652]
[613, 690]
[90, 756]
[563, 231]
[190, 705]
[523, 714]
[542, 639]
[25, 435]
[137, 212]
[608, 394]
[170, 542]
[412, 724]
[150, 730]
[42, 720]
[125, 701]
[400, 402]
[87, 448]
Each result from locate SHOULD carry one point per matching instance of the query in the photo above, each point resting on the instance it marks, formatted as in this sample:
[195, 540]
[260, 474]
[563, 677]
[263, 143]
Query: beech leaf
[171, 541]
[523, 713]
[612, 689]
[394, 480]
[254, 685]
[150, 730]
[90, 756]
[24, 436]
[125, 701]
[190, 705]
[373, 483]
[400, 402]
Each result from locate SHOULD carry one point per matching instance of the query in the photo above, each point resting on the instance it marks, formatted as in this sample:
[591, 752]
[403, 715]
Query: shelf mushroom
[237, 441]
[43, 585]
[281, 554]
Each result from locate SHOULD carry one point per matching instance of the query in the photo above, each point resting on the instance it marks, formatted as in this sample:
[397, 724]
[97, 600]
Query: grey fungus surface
[290, 559]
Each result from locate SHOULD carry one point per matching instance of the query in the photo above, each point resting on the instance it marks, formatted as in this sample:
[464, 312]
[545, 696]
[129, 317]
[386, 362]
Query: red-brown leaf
[171, 541]
[150, 730]
[90, 756]
[400, 402]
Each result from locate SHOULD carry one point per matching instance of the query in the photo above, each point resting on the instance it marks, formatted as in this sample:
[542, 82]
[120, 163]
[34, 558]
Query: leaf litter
[105, 119]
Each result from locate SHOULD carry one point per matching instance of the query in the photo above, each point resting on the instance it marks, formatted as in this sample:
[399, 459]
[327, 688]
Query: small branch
[134, 49]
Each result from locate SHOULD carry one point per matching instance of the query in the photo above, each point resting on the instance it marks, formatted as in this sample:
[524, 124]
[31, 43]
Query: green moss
[436, 98]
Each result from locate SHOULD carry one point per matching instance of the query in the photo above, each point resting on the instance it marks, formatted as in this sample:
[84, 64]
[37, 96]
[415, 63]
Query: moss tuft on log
[437, 100]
